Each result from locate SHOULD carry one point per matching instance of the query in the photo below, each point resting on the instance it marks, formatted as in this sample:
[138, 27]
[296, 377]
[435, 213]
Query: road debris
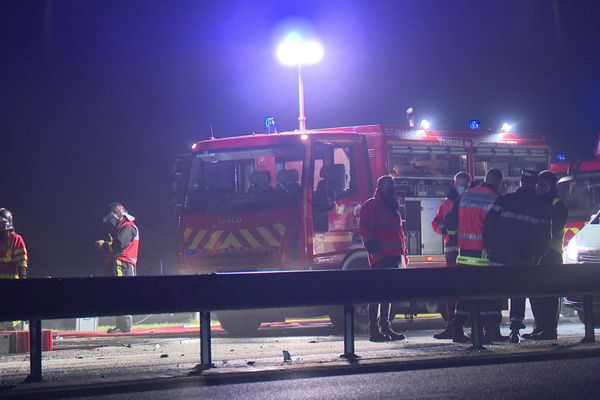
[287, 356]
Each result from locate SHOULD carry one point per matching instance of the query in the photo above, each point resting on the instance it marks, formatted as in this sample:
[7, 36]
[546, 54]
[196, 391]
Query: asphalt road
[566, 379]
[106, 360]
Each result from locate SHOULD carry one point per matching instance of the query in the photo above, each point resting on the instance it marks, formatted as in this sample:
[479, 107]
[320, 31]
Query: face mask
[114, 221]
[461, 189]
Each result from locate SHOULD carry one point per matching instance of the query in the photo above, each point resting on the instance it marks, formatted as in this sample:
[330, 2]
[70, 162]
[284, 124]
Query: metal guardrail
[38, 299]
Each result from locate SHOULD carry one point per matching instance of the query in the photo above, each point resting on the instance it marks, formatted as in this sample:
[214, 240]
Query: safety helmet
[549, 178]
[115, 212]
[6, 220]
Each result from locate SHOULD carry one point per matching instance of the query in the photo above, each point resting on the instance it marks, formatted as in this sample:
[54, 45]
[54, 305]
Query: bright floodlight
[425, 124]
[506, 127]
[295, 51]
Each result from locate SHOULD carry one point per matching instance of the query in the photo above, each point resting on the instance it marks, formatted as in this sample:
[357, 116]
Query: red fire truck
[291, 201]
[579, 187]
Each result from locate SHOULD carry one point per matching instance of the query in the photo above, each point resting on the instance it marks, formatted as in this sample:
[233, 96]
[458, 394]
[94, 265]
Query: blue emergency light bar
[474, 124]
[270, 126]
[561, 158]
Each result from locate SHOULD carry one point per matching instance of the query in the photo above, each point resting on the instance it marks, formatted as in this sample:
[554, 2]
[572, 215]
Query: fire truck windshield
[245, 179]
[581, 195]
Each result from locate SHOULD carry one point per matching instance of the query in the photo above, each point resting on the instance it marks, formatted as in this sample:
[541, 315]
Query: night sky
[98, 97]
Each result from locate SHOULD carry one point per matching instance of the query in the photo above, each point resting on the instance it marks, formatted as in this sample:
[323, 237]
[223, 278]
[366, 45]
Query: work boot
[392, 334]
[458, 334]
[535, 331]
[379, 337]
[445, 334]
[543, 336]
[514, 336]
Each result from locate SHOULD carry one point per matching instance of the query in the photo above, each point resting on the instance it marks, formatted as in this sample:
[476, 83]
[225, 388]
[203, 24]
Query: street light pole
[301, 114]
[294, 50]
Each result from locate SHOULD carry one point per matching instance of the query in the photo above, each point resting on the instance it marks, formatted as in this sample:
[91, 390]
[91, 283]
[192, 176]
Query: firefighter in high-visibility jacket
[383, 236]
[13, 257]
[461, 183]
[465, 219]
[546, 309]
[516, 233]
[122, 251]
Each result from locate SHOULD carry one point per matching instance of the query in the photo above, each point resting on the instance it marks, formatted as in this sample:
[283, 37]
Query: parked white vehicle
[584, 247]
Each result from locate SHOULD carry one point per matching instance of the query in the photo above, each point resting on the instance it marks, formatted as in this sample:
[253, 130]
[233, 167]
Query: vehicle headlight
[572, 250]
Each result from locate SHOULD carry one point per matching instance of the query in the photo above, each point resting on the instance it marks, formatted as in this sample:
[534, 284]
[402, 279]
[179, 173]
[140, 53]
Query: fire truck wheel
[356, 260]
[444, 313]
[437, 307]
[361, 319]
[239, 323]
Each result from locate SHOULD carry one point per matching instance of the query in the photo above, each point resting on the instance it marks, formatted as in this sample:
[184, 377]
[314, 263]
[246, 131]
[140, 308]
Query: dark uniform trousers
[451, 303]
[517, 313]
[379, 313]
[546, 309]
[122, 268]
[489, 310]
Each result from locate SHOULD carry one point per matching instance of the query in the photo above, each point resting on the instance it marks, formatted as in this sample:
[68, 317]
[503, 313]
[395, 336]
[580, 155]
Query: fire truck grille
[589, 257]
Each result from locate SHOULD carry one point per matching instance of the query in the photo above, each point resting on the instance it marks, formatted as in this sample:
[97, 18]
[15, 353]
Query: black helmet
[549, 178]
[6, 220]
[114, 209]
[115, 212]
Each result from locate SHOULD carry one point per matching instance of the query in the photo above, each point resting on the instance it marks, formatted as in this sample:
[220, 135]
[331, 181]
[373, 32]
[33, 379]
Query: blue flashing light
[474, 124]
[561, 158]
[270, 126]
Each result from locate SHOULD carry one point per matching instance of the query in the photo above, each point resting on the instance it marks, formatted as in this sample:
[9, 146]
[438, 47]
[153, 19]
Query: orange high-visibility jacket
[13, 255]
[473, 206]
[125, 246]
[439, 222]
[381, 227]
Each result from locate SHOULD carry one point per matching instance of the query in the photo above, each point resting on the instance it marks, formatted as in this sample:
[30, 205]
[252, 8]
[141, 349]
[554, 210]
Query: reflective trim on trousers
[450, 249]
[481, 262]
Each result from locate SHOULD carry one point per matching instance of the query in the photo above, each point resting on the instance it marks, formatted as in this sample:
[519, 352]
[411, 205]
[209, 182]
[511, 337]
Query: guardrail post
[476, 326]
[205, 348]
[588, 313]
[35, 351]
[349, 333]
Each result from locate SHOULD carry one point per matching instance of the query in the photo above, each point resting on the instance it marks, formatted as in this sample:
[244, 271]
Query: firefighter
[383, 236]
[461, 182]
[122, 251]
[13, 257]
[516, 233]
[465, 220]
[546, 309]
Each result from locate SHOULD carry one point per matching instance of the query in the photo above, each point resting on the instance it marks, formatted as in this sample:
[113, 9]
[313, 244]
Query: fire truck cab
[579, 188]
[291, 201]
